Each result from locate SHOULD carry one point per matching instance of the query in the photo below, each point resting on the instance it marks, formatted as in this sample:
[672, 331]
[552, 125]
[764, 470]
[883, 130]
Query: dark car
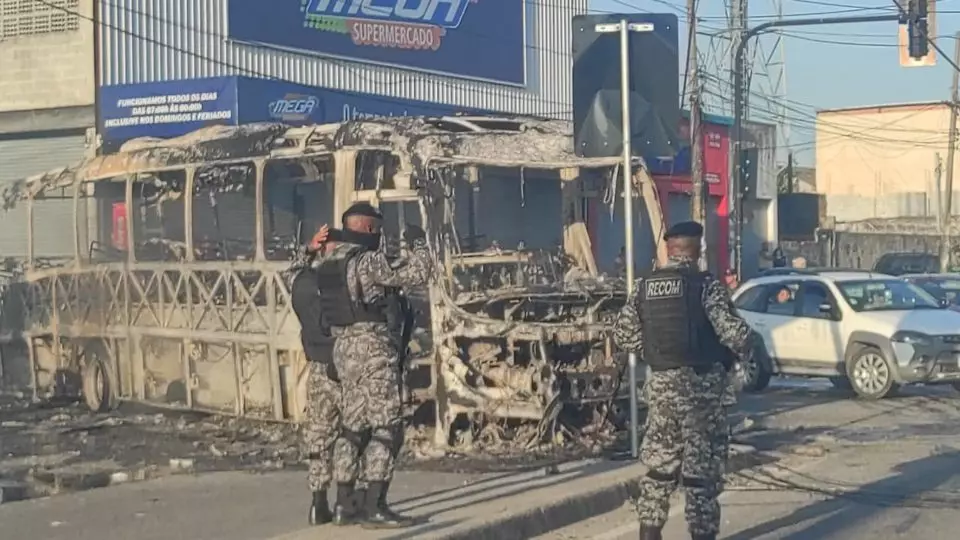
[898, 264]
[943, 287]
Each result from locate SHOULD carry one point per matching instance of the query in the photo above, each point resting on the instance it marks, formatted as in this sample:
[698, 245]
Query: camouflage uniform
[686, 422]
[322, 426]
[366, 355]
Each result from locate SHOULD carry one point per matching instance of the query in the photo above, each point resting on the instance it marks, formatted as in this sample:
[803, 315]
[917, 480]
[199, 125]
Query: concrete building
[46, 108]
[881, 161]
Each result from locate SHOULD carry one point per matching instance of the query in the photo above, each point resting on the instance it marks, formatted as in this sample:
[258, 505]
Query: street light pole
[739, 99]
[624, 28]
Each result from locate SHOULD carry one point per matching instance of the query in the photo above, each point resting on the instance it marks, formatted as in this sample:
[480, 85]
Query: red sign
[716, 171]
[118, 234]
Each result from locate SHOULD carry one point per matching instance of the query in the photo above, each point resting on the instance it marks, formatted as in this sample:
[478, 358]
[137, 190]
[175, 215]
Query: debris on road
[46, 450]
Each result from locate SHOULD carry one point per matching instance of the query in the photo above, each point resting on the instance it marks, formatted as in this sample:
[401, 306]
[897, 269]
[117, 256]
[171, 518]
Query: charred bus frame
[221, 336]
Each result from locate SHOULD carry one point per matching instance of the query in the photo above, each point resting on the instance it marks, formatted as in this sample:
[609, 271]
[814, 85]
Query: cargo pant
[686, 424]
[322, 426]
[372, 421]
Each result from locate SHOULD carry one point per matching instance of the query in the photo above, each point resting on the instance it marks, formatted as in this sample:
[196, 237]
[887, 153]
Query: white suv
[868, 331]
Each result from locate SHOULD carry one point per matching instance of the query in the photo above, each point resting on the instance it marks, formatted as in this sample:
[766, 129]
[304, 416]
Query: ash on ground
[42, 444]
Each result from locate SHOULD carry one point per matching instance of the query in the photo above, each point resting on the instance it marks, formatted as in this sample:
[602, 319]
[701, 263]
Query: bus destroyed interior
[176, 294]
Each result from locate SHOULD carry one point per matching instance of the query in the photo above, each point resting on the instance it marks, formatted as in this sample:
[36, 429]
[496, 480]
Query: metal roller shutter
[53, 217]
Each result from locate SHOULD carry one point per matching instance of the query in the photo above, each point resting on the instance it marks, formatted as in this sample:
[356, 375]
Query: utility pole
[738, 46]
[698, 193]
[938, 186]
[948, 189]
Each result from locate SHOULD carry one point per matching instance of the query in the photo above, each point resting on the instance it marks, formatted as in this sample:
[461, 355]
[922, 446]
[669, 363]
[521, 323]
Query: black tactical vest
[335, 302]
[305, 297]
[676, 331]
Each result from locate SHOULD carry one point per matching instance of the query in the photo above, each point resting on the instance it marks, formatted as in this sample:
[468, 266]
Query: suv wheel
[754, 376]
[870, 374]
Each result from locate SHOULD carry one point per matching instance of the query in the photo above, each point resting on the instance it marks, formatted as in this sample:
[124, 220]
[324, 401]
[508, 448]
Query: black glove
[332, 371]
[413, 234]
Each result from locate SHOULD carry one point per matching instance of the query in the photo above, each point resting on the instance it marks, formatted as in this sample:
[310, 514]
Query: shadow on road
[917, 411]
[848, 510]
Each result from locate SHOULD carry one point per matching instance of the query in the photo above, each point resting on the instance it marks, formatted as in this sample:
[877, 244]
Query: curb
[53, 482]
[576, 508]
[553, 516]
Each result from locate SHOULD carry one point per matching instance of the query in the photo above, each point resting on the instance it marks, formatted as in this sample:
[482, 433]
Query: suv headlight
[912, 338]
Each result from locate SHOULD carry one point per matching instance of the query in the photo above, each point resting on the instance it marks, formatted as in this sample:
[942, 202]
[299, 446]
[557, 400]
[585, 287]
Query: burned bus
[176, 294]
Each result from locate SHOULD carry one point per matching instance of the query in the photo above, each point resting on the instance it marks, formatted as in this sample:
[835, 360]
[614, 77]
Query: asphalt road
[852, 470]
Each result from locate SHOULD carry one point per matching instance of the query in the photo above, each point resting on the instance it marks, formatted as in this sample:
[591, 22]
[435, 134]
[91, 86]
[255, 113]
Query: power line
[386, 99]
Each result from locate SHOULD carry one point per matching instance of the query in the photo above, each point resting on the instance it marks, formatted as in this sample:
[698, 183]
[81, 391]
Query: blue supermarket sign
[173, 108]
[473, 39]
[426, 13]
[294, 108]
[265, 100]
[165, 109]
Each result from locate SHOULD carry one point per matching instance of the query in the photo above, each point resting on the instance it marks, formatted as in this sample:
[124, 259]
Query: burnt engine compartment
[535, 364]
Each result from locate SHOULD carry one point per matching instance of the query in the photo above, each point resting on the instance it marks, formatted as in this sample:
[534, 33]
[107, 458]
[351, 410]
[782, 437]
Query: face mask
[367, 240]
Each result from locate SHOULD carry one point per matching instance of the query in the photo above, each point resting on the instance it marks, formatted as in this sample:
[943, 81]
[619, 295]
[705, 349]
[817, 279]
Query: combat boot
[377, 514]
[344, 510]
[649, 532]
[320, 509]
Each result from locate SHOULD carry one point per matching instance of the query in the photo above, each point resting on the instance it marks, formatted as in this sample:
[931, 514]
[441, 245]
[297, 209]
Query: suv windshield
[885, 295]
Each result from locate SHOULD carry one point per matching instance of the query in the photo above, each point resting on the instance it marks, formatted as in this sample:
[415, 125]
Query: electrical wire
[561, 112]
[691, 40]
[800, 115]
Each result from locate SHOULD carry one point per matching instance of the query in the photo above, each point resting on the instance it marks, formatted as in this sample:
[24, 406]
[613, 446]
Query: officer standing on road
[679, 321]
[322, 425]
[355, 281]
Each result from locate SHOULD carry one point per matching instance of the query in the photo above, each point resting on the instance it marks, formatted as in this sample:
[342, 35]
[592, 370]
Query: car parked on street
[900, 263]
[866, 331]
[944, 287]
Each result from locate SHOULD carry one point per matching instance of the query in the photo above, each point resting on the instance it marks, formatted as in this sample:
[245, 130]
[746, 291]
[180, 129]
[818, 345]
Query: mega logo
[400, 24]
[294, 107]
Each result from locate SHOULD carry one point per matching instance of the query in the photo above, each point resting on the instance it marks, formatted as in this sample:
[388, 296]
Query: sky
[828, 66]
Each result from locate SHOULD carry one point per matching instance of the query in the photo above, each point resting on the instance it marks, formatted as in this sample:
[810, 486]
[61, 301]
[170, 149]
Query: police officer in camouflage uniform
[681, 321]
[322, 425]
[356, 284]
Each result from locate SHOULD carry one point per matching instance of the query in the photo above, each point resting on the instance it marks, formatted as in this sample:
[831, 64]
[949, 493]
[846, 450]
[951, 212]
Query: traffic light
[918, 25]
[749, 161]
[918, 29]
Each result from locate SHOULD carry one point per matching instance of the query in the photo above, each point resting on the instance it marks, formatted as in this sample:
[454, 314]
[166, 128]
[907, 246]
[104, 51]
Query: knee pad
[389, 441]
[660, 476]
[356, 438]
[692, 482]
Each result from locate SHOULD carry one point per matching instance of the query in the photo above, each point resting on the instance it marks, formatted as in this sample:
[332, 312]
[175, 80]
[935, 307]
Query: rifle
[407, 321]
